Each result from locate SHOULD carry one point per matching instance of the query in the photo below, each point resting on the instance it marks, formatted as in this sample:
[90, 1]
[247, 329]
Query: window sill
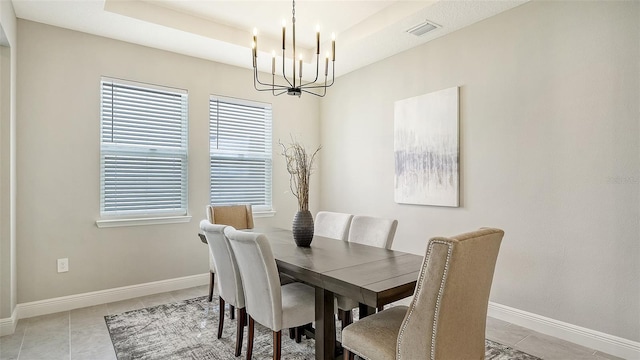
[264, 214]
[143, 221]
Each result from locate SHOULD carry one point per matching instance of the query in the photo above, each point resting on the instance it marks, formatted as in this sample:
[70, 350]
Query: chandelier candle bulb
[318, 40]
[333, 45]
[255, 54]
[273, 63]
[300, 66]
[255, 38]
[284, 28]
[326, 65]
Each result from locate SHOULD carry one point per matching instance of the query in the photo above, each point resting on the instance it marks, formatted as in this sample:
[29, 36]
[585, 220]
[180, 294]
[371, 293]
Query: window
[240, 150]
[143, 149]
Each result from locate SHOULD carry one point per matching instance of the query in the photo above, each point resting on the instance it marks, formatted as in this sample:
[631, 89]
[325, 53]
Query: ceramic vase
[302, 228]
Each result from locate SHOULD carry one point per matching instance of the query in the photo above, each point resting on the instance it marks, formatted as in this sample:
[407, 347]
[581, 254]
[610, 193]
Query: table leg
[325, 325]
[366, 310]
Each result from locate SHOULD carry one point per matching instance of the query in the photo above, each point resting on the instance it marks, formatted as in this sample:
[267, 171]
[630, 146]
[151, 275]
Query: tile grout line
[69, 325]
[518, 342]
[24, 334]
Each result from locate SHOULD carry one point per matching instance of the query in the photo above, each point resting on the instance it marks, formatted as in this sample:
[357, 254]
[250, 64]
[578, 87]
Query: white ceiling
[366, 30]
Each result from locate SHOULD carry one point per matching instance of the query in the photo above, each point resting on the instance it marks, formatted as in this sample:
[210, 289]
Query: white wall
[58, 157]
[8, 280]
[549, 152]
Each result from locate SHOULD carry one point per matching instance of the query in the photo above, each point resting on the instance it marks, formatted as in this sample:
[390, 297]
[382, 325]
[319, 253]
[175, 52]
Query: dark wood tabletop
[370, 275]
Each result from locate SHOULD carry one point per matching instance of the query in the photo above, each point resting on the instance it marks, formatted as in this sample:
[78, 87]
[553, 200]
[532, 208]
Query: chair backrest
[447, 317]
[332, 225]
[263, 296]
[372, 231]
[238, 216]
[229, 280]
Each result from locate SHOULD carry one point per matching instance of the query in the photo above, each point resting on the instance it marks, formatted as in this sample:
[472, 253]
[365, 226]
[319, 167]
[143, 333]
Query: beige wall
[8, 280]
[549, 113]
[58, 157]
[549, 152]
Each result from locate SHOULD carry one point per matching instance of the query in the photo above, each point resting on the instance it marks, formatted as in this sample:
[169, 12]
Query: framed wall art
[426, 148]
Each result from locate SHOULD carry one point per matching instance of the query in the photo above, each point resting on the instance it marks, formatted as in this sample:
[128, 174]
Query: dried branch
[300, 168]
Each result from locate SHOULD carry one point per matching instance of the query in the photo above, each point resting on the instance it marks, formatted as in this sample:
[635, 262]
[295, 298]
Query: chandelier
[292, 85]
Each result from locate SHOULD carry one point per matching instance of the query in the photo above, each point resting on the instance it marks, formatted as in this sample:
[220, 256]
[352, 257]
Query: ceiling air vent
[422, 28]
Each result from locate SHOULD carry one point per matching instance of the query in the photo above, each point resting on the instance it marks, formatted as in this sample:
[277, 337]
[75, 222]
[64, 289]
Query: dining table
[370, 275]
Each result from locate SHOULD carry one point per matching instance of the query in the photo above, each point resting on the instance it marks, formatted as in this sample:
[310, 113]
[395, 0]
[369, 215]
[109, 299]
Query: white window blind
[143, 149]
[240, 149]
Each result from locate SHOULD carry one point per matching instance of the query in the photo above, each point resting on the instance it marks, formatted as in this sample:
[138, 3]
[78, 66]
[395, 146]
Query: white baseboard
[592, 339]
[8, 325]
[65, 303]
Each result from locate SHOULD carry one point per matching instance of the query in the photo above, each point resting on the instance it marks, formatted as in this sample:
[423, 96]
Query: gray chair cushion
[229, 281]
[375, 336]
[298, 304]
[267, 302]
[332, 225]
[345, 303]
[372, 231]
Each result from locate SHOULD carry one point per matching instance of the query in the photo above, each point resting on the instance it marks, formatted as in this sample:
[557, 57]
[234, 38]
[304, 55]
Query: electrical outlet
[63, 265]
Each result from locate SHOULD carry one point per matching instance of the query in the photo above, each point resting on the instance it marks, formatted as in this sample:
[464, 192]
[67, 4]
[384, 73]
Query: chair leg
[380, 308]
[242, 315]
[250, 338]
[292, 333]
[211, 283]
[221, 321]
[346, 317]
[277, 344]
[298, 332]
[232, 312]
[308, 327]
[348, 355]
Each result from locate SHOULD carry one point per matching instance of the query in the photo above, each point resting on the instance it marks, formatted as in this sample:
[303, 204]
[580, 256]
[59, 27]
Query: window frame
[163, 151]
[259, 210]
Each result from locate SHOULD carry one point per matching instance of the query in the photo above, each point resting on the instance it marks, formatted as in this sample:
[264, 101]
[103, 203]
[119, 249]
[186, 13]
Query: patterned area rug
[188, 329]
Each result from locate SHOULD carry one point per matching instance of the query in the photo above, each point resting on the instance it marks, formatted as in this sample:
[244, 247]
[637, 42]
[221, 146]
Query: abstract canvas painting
[426, 149]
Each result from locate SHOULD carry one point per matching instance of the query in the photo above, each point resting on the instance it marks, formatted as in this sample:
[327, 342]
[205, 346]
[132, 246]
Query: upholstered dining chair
[268, 302]
[238, 216]
[332, 225]
[447, 316]
[374, 231]
[367, 230]
[229, 282]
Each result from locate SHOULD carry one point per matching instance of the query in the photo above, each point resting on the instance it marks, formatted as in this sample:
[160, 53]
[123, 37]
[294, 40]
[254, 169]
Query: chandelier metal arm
[325, 81]
[269, 87]
[324, 89]
[317, 72]
[257, 81]
[284, 73]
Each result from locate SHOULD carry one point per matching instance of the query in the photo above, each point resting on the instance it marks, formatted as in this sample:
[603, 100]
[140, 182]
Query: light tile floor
[82, 333]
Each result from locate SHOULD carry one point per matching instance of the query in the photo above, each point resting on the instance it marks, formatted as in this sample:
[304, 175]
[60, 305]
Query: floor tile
[505, 333]
[45, 344]
[602, 356]
[189, 293]
[550, 348]
[93, 315]
[48, 322]
[119, 307]
[157, 299]
[91, 342]
[10, 345]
